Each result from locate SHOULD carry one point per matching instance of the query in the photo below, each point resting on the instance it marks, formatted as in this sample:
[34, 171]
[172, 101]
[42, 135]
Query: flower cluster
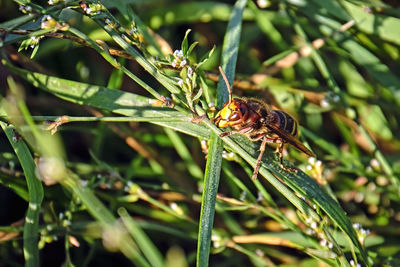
[48, 22]
[179, 60]
[25, 9]
[34, 41]
[91, 9]
[361, 232]
[329, 100]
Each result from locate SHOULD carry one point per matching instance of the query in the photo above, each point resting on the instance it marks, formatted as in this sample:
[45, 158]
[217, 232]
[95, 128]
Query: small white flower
[178, 53]
[374, 163]
[180, 82]
[173, 206]
[243, 196]
[313, 225]
[134, 30]
[324, 103]
[183, 63]
[190, 72]
[336, 98]
[260, 196]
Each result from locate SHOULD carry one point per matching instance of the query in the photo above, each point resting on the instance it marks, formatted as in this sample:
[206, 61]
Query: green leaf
[206, 57]
[192, 46]
[184, 45]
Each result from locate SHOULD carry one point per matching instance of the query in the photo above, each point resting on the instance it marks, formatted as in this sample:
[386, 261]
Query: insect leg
[280, 154]
[276, 140]
[240, 131]
[258, 163]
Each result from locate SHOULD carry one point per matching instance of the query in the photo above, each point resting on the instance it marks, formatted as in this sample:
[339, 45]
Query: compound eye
[242, 110]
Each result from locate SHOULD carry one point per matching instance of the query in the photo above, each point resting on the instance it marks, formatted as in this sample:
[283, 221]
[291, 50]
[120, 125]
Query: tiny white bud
[183, 63]
[324, 103]
[313, 225]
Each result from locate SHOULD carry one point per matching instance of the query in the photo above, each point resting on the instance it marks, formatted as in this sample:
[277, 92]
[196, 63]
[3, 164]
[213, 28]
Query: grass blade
[116, 101]
[31, 227]
[213, 166]
[150, 251]
[211, 181]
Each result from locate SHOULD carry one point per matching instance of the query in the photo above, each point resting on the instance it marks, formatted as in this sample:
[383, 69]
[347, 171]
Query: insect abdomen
[286, 122]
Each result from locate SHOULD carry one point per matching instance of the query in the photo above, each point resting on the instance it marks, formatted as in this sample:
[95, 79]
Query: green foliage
[109, 105]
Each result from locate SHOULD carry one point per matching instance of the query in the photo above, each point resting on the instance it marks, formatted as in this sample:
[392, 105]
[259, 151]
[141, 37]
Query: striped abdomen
[286, 122]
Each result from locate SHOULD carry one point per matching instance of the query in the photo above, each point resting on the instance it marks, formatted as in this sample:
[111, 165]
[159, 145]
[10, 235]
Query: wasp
[254, 119]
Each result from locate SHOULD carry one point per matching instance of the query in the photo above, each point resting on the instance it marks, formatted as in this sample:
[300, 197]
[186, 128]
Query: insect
[255, 120]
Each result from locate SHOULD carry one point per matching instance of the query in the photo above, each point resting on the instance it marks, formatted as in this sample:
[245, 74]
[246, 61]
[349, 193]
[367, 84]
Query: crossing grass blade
[213, 167]
[116, 101]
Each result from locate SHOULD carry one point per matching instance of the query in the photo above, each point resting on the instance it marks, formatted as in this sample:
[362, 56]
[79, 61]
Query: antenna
[227, 83]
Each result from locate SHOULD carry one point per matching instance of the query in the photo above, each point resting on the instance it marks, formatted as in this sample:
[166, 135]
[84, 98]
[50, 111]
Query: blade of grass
[97, 209]
[116, 101]
[214, 159]
[31, 227]
[329, 205]
[150, 251]
[166, 82]
[384, 26]
[17, 185]
[359, 54]
[210, 189]
[47, 147]
[300, 183]
[117, 65]
[266, 26]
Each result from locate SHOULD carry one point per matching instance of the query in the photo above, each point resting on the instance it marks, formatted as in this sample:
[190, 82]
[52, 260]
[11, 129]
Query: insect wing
[290, 139]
